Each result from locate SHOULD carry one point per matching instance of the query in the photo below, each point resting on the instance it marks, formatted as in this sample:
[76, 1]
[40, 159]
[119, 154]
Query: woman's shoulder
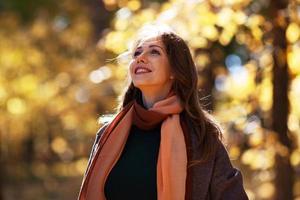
[104, 120]
[99, 133]
[221, 149]
[227, 180]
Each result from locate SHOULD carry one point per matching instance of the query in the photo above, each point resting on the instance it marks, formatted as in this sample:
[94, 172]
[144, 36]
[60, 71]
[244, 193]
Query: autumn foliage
[59, 81]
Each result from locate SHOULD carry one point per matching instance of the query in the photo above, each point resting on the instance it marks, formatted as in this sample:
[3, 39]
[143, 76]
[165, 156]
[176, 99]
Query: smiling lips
[141, 70]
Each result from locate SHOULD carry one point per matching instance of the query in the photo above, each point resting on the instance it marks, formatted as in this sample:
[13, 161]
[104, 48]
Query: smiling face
[149, 66]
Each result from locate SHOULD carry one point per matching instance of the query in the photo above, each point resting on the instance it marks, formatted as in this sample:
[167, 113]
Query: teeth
[141, 70]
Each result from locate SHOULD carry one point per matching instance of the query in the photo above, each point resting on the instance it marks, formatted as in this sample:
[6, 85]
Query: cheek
[130, 70]
[165, 70]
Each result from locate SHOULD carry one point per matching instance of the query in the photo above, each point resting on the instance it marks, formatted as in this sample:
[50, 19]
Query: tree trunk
[1, 174]
[208, 76]
[280, 108]
[99, 15]
[3, 154]
[208, 87]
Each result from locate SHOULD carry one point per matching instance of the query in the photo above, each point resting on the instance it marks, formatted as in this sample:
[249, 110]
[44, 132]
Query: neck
[150, 97]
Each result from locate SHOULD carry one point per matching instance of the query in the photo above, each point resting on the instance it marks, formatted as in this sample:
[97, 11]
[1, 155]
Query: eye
[154, 51]
[136, 53]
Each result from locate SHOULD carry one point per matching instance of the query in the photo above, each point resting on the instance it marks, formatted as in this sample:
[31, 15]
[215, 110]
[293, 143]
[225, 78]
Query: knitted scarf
[172, 157]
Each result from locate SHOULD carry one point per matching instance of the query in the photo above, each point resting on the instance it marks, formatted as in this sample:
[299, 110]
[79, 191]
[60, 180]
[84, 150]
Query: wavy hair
[200, 123]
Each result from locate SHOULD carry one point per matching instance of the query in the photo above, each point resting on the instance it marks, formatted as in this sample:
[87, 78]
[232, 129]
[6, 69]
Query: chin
[142, 82]
[139, 85]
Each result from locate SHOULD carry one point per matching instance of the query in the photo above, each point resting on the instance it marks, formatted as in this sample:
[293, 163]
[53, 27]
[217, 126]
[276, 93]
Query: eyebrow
[152, 45]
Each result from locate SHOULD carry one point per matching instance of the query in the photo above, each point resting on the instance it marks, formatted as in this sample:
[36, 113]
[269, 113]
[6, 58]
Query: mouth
[141, 70]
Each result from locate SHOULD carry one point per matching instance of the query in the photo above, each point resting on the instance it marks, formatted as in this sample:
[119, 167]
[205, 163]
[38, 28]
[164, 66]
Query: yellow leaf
[16, 106]
[134, 5]
[59, 145]
[293, 32]
[266, 190]
[295, 158]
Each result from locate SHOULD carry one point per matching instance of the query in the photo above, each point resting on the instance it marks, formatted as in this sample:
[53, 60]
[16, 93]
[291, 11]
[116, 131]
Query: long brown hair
[199, 122]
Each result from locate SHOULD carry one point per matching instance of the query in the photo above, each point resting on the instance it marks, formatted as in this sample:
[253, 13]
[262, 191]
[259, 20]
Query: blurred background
[57, 83]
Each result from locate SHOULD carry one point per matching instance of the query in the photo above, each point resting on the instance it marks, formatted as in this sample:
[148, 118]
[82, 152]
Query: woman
[162, 144]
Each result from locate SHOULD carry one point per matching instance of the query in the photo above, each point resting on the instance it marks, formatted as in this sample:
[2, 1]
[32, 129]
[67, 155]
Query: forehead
[150, 41]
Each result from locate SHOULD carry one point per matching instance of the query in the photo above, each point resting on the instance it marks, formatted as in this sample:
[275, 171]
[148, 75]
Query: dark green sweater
[134, 175]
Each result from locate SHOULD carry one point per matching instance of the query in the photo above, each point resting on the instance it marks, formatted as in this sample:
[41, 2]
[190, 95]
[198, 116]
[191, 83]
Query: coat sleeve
[226, 182]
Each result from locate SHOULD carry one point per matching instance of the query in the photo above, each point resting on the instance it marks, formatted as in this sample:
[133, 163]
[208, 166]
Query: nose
[141, 58]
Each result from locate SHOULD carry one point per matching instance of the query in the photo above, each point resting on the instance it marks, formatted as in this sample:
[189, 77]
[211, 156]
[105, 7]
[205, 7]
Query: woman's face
[149, 66]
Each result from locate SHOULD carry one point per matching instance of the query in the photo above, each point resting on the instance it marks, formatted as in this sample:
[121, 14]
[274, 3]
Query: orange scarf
[172, 157]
